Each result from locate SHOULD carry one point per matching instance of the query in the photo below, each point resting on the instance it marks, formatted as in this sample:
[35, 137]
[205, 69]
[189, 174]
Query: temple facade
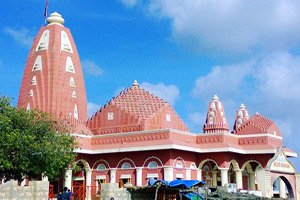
[137, 135]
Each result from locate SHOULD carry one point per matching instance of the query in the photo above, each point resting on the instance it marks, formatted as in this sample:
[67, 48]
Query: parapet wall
[37, 190]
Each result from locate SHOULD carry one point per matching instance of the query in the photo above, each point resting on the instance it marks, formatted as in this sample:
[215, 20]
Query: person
[65, 195]
[70, 194]
[59, 195]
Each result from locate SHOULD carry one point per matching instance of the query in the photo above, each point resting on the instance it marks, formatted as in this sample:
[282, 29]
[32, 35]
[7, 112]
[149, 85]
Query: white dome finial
[215, 97]
[55, 18]
[242, 105]
[135, 83]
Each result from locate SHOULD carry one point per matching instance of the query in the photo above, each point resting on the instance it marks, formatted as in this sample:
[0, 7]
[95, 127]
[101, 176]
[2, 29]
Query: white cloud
[279, 77]
[270, 85]
[91, 68]
[168, 93]
[129, 3]
[222, 80]
[92, 108]
[235, 26]
[22, 36]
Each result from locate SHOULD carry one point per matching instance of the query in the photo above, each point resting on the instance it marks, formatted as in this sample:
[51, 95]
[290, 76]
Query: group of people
[66, 194]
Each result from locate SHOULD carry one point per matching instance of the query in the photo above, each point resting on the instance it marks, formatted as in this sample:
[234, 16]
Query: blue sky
[185, 51]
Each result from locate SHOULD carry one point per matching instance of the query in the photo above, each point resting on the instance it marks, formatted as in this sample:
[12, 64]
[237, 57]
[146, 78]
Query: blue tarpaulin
[181, 186]
[177, 183]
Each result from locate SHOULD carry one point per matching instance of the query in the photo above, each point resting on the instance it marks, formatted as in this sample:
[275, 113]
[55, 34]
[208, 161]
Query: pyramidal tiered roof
[135, 109]
[138, 102]
[258, 124]
[53, 79]
[216, 121]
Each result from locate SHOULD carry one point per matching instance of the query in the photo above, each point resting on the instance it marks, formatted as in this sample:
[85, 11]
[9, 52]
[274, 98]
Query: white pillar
[188, 174]
[252, 181]
[168, 173]
[139, 176]
[224, 176]
[68, 179]
[88, 183]
[214, 178]
[44, 178]
[199, 174]
[113, 173]
[282, 192]
[239, 179]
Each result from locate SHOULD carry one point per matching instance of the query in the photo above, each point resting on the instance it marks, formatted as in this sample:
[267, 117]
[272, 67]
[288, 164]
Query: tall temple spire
[53, 79]
[241, 116]
[216, 121]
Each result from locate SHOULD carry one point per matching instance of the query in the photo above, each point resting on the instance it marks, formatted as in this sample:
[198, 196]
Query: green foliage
[32, 143]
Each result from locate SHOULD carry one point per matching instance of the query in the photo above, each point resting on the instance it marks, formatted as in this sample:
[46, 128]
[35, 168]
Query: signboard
[280, 163]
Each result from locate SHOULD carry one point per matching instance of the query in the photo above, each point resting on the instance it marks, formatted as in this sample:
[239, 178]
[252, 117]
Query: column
[282, 192]
[88, 183]
[188, 174]
[168, 173]
[68, 179]
[44, 178]
[199, 174]
[139, 176]
[224, 176]
[239, 179]
[251, 180]
[214, 178]
[113, 173]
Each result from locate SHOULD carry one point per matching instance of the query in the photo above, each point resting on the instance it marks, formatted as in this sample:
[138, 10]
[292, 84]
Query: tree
[32, 143]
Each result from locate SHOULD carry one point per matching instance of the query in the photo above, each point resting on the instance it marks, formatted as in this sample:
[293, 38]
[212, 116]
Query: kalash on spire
[53, 79]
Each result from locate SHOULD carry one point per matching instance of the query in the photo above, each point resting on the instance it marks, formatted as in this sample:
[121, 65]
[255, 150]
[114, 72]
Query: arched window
[206, 168]
[179, 165]
[152, 165]
[69, 65]
[193, 166]
[72, 82]
[33, 80]
[74, 95]
[37, 66]
[31, 93]
[126, 166]
[101, 167]
[43, 42]
[65, 42]
[75, 112]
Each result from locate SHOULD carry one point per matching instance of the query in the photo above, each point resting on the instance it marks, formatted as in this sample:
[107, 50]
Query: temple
[137, 135]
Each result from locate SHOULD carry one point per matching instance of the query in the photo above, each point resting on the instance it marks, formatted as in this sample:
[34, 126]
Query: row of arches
[155, 162]
[126, 171]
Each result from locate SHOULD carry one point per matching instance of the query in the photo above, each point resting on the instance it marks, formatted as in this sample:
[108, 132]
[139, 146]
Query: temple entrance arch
[282, 188]
[81, 178]
[210, 172]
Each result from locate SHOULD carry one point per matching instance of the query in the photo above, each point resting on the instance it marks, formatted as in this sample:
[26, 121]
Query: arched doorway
[79, 180]
[282, 188]
[210, 173]
[232, 171]
[101, 169]
[249, 172]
